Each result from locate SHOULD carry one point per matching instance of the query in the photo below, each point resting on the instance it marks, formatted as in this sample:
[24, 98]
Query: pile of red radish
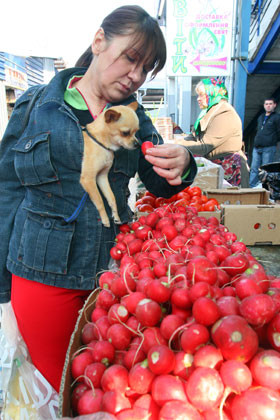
[189, 197]
[186, 328]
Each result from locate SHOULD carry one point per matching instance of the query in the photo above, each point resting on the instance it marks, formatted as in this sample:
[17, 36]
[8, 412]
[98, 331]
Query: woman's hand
[169, 161]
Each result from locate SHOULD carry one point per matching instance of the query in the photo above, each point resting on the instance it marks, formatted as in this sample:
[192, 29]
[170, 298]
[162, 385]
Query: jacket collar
[268, 116]
[56, 87]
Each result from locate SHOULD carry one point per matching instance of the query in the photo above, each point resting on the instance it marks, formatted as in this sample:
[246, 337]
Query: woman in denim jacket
[45, 240]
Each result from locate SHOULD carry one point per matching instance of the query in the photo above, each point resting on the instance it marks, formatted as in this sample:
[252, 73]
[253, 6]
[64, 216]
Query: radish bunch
[187, 327]
[190, 196]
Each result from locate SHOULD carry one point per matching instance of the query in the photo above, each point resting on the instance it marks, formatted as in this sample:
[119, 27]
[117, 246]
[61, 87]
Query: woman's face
[117, 71]
[202, 98]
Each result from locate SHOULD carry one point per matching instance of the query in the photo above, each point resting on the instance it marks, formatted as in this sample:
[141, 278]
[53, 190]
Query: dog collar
[94, 139]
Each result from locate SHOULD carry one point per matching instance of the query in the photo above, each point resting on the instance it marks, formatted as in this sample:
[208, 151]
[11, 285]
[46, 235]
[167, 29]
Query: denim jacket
[39, 180]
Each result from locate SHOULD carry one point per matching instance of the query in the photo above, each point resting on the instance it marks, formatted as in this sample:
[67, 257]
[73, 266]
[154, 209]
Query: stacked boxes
[165, 127]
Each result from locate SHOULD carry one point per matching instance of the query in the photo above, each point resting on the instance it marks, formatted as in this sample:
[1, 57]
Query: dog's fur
[114, 128]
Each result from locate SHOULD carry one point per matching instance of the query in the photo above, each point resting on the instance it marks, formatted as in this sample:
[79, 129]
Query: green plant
[148, 113]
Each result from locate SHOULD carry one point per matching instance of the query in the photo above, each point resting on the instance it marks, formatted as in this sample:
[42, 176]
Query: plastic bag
[209, 174]
[27, 394]
[269, 175]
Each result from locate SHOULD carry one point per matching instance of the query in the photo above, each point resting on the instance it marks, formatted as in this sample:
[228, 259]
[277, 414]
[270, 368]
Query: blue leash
[78, 210]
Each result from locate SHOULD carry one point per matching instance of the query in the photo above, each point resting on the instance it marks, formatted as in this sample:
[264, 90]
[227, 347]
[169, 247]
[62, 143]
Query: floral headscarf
[215, 91]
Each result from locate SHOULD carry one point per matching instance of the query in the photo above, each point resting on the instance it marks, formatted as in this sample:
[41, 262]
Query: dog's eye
[126, 133]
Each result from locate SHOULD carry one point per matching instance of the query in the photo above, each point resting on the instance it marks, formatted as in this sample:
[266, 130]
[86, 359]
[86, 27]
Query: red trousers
[46, 317]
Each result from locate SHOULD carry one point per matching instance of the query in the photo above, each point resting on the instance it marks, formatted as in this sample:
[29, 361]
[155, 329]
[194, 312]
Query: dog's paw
[106, 222]
[117, 221]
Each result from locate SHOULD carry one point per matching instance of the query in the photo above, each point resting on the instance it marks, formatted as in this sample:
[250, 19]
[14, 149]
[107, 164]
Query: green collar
[73, 97]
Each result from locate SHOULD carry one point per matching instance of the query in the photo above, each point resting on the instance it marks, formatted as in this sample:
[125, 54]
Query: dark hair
[270, 99]
[85, 59]
[149, 40]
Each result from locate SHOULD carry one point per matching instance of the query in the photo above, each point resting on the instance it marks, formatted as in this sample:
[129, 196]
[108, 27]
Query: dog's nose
[136, 142]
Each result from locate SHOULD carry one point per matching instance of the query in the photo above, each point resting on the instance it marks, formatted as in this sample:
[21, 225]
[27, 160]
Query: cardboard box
[165, 127]
[253, 224]
[64, 409]
[209, 179]
[236, 195]
[209, 174]
[208, 214]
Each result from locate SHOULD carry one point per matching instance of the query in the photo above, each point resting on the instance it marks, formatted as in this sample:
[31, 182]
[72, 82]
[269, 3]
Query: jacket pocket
[126, 162]
[45, 244]
[33, 162]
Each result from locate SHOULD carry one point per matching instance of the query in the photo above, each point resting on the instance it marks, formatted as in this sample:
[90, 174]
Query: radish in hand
[146, 145]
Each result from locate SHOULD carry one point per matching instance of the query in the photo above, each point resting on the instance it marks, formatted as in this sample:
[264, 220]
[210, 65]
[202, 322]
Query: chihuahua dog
[114, 128]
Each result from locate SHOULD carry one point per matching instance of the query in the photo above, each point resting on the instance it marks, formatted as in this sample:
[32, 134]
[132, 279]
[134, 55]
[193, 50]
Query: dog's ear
[111, 115]
[133, 105]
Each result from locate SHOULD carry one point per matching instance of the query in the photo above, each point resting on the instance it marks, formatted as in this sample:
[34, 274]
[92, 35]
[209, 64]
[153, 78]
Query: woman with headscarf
[217, 132]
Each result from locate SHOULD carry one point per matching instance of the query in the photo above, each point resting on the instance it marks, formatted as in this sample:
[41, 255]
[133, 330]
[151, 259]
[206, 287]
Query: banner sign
[199, 37]
[15, 74]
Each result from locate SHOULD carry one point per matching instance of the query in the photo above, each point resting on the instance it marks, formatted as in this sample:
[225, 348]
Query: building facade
[17, 74]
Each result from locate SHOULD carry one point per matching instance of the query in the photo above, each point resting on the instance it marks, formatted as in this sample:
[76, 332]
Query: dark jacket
[39, 186]
[268, 134]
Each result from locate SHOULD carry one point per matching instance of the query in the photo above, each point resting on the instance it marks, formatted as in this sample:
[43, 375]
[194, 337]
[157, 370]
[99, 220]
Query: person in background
[49, 258]
[217, 132]
[265, 142]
